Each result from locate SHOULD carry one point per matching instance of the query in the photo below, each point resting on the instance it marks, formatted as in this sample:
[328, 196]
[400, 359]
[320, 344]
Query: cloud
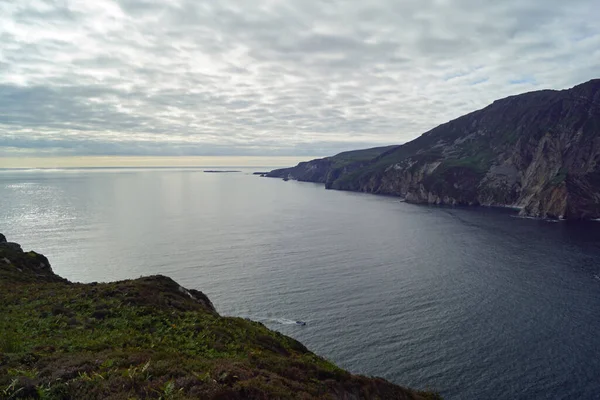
[272, 77]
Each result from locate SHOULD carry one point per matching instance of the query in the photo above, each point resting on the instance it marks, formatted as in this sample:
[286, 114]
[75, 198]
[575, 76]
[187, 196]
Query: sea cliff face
[538, 151]
[149, 338]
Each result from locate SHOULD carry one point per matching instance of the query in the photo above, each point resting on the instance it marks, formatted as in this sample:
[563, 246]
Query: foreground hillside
[537, 151]
[149, 338]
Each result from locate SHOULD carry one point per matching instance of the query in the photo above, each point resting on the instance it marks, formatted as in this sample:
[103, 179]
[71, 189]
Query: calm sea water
[474, 303]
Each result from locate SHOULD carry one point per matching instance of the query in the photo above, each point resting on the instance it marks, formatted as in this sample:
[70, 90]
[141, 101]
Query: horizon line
[107, 161]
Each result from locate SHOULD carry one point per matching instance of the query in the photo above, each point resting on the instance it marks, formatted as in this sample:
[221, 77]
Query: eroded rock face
[539, 152]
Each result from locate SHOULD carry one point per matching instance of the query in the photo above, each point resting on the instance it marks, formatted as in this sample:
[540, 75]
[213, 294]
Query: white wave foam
[282, 321]
[285, 321]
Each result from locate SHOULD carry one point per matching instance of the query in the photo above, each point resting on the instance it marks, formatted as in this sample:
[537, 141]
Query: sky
[271, 77]
[257, 163]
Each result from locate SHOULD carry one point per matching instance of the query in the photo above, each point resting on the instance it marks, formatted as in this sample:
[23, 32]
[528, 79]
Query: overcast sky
[272, 77]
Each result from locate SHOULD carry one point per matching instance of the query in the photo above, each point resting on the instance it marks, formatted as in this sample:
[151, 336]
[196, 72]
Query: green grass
[9, 339]
[510, 137]
[348, 157]
[476, 163]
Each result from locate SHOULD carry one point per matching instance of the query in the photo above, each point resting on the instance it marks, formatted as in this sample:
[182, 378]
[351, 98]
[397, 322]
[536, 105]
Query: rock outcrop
[20, 266]
[538, 152]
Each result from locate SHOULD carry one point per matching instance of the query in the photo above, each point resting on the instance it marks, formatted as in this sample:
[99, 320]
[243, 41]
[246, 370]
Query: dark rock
[27, 389]
[2, 238]
[202, 299]
[227, 378]
[29, 359]
[101, 314]
[12, 246]
[198, 329]
[61, 310]
[31, 266]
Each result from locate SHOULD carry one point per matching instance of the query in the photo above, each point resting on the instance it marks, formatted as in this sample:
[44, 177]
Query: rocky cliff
[149, 338]
[538, 151]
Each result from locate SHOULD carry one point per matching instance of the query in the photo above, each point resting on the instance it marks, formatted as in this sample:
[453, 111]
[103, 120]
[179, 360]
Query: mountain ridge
[537, 151]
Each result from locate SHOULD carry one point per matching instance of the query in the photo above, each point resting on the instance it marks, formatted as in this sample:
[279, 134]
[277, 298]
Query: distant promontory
[538, 152]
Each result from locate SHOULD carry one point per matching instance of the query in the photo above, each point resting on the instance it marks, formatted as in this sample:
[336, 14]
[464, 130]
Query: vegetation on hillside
[149, 338]
[349, 157]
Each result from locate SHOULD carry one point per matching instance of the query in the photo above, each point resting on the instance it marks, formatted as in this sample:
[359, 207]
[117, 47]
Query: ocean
[475, 303]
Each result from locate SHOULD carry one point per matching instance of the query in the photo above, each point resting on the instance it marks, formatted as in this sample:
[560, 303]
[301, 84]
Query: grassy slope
[147, 338]
[349, 157]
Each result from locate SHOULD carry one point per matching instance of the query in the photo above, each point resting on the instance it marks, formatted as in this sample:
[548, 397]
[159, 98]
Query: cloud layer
[272, 77]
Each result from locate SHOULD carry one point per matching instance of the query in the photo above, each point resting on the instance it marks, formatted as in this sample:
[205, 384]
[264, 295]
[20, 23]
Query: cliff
[149, 338]
[538, 151]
